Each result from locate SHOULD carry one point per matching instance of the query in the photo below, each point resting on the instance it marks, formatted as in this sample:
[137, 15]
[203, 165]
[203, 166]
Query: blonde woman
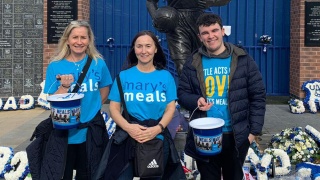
[79, 148]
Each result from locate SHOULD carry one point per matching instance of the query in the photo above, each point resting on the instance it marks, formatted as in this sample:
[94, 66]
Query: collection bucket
[207, 133]
[65, 110]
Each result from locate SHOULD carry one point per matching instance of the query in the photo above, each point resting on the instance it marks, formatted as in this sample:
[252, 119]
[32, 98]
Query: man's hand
[203, 105]
[251, 138]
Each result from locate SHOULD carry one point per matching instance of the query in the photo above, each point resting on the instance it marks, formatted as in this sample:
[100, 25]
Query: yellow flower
[298, 147]
[304, 147]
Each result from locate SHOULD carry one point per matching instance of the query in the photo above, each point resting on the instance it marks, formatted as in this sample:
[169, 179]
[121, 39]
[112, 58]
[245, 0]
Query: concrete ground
[16, 127]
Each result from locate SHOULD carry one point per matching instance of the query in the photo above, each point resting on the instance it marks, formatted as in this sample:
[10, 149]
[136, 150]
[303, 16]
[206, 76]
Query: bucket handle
[58, 79]
[221, 114]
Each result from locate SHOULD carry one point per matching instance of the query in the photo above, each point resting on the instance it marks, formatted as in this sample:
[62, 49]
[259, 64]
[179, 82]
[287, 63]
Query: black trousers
[229, 161]
[76, 160]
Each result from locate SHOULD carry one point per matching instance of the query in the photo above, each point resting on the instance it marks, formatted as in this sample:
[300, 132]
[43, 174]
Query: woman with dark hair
[159, 59]
[149, 93]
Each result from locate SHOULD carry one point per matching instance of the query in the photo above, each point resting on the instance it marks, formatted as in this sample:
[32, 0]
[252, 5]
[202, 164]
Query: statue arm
[210, 3]
[152, 6]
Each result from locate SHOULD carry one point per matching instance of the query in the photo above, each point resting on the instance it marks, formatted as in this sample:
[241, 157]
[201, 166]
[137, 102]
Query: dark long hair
[159, 59]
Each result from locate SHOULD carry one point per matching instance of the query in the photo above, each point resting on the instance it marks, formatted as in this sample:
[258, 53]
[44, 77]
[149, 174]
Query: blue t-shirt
[98, 76]
[146, 94]
[216, 75]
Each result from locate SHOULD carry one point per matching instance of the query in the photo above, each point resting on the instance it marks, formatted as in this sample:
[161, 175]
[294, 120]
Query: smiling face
[78, 41]
[145, 49]
[212, 38]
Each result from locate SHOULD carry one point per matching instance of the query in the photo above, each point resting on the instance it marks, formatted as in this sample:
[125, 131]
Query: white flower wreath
[315, 134]
[296, 106]
[262, 166]
[284, 160]
[19, 167]
[6, 155]
[312, 106]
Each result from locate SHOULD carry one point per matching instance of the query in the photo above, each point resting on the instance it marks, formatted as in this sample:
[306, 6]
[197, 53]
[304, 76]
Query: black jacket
[120, 151]
[246, 96]
[47, 153]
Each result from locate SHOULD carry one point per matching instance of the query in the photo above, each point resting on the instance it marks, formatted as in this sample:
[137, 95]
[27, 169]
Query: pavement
[16, 127]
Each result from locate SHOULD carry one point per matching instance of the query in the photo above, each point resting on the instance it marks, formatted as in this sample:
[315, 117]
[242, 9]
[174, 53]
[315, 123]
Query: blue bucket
[207, 133]
[65, 110]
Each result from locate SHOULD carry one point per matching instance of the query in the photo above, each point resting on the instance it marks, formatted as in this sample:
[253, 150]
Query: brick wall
[304, 61]
[49, 49]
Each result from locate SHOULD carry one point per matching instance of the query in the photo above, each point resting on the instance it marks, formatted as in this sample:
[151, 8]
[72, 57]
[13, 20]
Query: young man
[221, 80]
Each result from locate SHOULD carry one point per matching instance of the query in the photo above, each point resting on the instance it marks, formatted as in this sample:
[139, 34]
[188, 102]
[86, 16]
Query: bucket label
[208, 144]
[63, 115]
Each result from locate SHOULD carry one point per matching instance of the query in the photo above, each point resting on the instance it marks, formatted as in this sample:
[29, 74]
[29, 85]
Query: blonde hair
[63, 49]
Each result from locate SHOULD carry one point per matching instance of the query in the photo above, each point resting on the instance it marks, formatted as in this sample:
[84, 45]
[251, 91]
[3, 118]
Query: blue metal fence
[115, 22]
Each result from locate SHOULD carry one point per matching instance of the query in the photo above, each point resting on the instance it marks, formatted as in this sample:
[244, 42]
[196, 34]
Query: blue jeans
[128, 172]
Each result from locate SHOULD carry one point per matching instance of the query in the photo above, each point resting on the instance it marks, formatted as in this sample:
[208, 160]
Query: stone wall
[21, 48]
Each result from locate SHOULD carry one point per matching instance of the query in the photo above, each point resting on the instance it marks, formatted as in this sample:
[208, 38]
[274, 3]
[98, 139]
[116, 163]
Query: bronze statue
[178, 21]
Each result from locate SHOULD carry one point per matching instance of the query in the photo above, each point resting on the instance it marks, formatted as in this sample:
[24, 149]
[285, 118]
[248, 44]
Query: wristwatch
[162, 128]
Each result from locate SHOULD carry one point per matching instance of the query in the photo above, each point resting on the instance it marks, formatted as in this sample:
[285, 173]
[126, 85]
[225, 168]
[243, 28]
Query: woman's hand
[66, 80]
[65, 83]
[143, 134]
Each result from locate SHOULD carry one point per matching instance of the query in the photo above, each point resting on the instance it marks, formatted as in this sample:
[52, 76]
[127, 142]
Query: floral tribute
[296, 106]
[265, 39]
[299, 145]
[6, 155]
[13, 166]
[312, 99]
[262, 165]
[19, 167]
[307, 169]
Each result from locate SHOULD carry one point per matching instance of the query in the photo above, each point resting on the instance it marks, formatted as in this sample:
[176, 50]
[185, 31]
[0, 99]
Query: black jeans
[76, 159]
[229, 161]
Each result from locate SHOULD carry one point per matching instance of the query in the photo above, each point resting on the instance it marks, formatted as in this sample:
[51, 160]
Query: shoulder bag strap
[126, 114]
[82, 75]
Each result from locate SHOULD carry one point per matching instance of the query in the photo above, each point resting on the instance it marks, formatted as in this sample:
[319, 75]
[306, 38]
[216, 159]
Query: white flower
[304, 172]
[294, 157]
[20, 172]
[6, 155]
[312, 151]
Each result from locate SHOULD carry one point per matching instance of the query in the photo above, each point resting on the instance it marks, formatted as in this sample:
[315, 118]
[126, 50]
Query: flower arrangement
[308, 170]
[19, 167]
[296, 106]
[312, 98]
[262, 166]
[6, 154]
[282, 159]
[300, 146]
[312, 106]
[265, 39]
[315, 134]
